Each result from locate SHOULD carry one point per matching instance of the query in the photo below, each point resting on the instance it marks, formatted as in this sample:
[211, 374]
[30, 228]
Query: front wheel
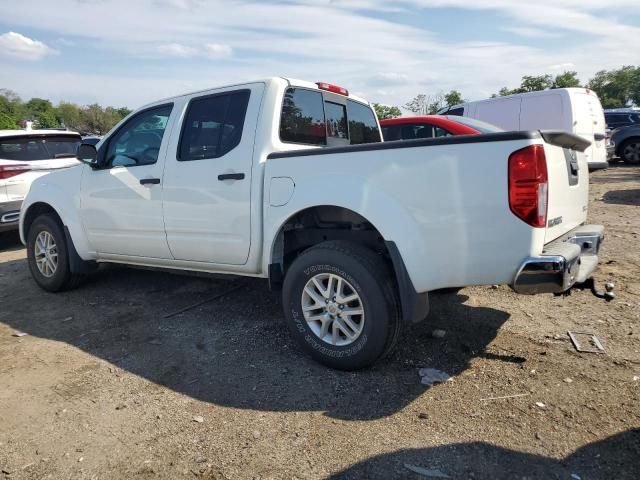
[340, 305]
[630, 151]
[48, 257]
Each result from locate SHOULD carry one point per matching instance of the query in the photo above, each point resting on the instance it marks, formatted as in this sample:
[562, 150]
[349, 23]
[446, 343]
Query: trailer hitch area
[607, 294]
[590, 283]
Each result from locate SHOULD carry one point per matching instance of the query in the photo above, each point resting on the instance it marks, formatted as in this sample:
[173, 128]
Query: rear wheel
[48, 256]
[630, 151]
[341, 306]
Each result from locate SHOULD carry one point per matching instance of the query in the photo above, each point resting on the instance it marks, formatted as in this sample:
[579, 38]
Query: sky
[131, 52]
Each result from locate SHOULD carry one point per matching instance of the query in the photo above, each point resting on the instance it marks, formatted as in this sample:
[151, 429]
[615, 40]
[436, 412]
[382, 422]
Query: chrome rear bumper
[564, 262]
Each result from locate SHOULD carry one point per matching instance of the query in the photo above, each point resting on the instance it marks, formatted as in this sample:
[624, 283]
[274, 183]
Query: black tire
[62, 278]
[633, 143]
[371, 279]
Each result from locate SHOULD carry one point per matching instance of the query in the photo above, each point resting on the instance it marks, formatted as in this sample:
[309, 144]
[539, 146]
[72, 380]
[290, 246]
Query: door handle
[149, 181]
[231, 176]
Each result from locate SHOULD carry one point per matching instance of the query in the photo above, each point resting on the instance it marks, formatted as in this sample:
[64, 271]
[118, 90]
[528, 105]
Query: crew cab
[289, 180]
[24, 156]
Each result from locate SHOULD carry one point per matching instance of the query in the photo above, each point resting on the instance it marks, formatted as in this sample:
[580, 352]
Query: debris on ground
[20, 334]
[540, 405]
[426, 472]
[68, 319]
[431, 376]
[568, 380]
[515, 395]
[198, 418]
[591, 339]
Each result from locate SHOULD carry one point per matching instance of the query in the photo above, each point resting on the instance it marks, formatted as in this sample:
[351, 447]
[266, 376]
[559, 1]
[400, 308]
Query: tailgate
[568, 174]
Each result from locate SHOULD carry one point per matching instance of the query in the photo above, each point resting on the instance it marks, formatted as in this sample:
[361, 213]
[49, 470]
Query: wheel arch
[315, 224]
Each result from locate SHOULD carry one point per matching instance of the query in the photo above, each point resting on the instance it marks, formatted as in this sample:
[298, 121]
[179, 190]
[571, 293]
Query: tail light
[332, 88]
[528, 185]
[8, 171]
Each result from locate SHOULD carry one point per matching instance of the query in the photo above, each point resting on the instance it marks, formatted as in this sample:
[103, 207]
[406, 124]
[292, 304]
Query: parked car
[433, 126]
[621, 117]
[626, 141]
[91, 140]
[574, 110]
[24, 156]
[289, 180]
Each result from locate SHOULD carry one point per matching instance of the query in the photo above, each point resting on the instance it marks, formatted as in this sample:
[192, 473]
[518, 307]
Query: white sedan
[24, 156]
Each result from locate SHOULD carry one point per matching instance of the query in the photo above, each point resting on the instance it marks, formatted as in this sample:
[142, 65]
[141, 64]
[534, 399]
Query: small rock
[201, 460]
[423, 415]
[158, 416]
[20, 334]
[567, 380]
[80, 459]
[575, 476]
[430, 376]
[540, 405]
[636, 378]
[68, 319]
[538, 437]
[198, 419]
[256, 434]
[6, 471]
[121, 406]
[494, 287]
[438, 333]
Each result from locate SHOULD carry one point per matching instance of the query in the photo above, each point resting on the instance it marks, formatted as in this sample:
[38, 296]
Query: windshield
[43, 148]
[482, 127]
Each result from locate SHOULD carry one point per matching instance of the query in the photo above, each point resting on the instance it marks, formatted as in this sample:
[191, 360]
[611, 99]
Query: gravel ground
[105, 385]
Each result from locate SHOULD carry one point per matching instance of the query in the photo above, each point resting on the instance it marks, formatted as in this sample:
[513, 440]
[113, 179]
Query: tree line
[616, 88]
[87, 119]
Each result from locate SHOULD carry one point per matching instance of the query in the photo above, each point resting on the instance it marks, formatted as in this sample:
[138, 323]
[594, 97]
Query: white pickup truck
[289, 180]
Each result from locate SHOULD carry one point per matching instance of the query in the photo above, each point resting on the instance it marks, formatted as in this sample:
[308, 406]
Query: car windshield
[482, 127]
[38, 148]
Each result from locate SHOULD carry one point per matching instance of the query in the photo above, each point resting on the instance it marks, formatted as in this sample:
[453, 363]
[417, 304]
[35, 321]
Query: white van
[575, 110]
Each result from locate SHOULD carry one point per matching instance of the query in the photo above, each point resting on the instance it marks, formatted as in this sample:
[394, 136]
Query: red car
[432, 126]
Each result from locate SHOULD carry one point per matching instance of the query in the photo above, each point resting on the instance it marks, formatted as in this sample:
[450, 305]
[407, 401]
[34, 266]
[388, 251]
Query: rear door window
[213, 125]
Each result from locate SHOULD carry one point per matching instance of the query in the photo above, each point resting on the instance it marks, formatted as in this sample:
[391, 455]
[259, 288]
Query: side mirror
[88, 154]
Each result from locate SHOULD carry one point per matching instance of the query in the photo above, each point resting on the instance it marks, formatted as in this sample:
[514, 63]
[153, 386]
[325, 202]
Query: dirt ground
[106, 386]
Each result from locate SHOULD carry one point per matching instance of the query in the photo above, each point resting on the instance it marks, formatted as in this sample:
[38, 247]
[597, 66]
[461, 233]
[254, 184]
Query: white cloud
[177, 50]
[217, 50]
[319, 40]
[531, 32]
[15, 45]
[562, 66]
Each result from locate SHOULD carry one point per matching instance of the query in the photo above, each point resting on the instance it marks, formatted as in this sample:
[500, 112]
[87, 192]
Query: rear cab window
[34, 148]
[314, 117]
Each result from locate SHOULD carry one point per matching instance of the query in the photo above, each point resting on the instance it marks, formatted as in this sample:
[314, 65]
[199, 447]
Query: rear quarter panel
[445, 207]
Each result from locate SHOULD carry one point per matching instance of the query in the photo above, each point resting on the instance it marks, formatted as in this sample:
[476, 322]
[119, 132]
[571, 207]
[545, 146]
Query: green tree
[7, 122]
[454, 97]
[566, 80]
[532, 83]
[386, 111]
[423, 104]
[68, 114]
[617, 88]
[46, 119]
